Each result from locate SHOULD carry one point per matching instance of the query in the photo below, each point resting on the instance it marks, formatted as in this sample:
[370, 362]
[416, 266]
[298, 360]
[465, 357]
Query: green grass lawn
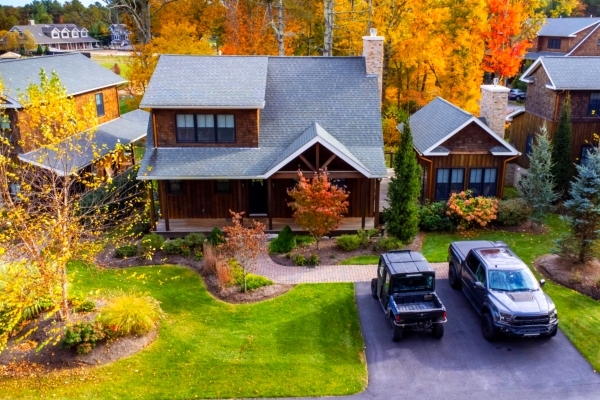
[109, 61]
[304, 343]
[361, 260]
[579, 315]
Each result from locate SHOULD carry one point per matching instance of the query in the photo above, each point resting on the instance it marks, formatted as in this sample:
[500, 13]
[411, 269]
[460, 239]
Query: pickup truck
[405, 286]
[502, 289]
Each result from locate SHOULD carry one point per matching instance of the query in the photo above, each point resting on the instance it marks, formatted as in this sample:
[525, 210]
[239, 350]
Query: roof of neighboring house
[566, 27]
[534, 56]
[567, 73]
[129, 128]
[121, 28]
[207, 82]
[9, 55]
[77, 73]
[42, 33]
[439, 120]
[329, 100]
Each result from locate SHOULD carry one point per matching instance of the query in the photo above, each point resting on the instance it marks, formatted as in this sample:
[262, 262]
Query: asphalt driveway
[463, 365]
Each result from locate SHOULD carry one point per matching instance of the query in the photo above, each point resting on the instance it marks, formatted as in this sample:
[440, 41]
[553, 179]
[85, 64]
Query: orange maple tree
[318, 204]
[506, 45]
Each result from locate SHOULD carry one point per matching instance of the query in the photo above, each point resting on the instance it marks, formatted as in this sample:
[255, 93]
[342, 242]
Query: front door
[257, 196]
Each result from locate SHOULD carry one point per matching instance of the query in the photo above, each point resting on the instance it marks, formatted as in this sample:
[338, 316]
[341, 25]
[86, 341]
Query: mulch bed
[584, 278]
[330, 254]
[23, 355]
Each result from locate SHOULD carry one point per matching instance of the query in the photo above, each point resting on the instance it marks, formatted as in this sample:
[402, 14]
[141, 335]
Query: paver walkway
[326, 273]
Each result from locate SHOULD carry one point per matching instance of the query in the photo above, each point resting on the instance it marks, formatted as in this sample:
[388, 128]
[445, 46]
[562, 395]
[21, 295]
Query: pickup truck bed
[411, 306]
[426, 305]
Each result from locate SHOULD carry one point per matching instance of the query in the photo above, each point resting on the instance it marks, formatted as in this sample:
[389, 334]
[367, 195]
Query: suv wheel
[487, 328]
[396, 333]
[438, 331]
[452, 278]
[374, 288]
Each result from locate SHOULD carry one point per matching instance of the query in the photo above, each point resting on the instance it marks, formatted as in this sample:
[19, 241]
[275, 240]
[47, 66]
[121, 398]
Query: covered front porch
[182, 226]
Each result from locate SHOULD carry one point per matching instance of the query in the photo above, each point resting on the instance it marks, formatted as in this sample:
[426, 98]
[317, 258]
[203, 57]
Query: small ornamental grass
[131, 314]
[468, 211]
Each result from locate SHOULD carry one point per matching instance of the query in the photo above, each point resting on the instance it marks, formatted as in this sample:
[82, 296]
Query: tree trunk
[328, 36]
[64, 308]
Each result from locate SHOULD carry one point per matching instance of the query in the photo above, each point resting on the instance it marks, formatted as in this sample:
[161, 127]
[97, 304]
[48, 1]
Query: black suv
[502, 289]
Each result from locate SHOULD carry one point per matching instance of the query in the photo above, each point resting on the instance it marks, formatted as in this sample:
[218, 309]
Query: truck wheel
[374, 288]
[452, 278]
[487, 328]
[396, 333]
[438, 331]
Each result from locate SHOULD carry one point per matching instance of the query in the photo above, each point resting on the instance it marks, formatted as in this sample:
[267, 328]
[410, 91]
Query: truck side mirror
[542, 282]
[479, 285]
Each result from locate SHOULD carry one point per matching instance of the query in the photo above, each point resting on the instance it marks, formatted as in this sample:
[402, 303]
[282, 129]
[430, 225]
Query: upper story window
[100, 104]
[529, 145]
[84, 32]
[65, 33]
[55, 34]
[175, 187]
[554, 43]
[205, 128]
[594, 105]
[75, 33]
[4, 122]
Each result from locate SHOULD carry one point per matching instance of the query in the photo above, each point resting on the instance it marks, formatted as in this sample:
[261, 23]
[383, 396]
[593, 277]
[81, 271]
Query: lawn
[361, 260]
[579, 315]
[109, 61]
[304, 343]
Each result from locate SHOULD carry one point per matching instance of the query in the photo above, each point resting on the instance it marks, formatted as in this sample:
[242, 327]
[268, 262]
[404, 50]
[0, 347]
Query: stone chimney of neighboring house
[373, 53]
[32, 22]
[494, 99]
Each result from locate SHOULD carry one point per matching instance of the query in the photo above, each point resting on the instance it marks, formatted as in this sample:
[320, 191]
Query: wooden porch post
[240, 206]
[377, 194]
[132, 154]
[363, 202]
[152, 209]
[270, 203]
[163, 205]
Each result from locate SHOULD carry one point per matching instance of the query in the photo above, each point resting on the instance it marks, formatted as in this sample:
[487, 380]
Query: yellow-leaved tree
[53, 212]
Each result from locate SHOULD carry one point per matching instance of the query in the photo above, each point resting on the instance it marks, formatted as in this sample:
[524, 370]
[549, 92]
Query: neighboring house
[458, 151]
[58, 37]
[549, 81]
[231, 133]
[119, 34]
[567, 37]
[86, 81]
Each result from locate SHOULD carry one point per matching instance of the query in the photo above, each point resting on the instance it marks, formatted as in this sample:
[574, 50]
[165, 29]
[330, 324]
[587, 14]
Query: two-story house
[231, 133]
[86, 81]
[567, 37]
[549, 81]
[119, 34]
[58, 37]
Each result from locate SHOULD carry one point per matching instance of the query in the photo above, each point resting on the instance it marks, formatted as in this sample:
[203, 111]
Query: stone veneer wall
[513, 174]
[494, 100]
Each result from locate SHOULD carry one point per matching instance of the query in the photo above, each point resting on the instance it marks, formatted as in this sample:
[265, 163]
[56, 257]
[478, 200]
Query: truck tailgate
[426, 305]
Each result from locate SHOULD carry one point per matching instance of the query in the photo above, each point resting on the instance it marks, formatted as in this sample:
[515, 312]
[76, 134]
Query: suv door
[385, 289]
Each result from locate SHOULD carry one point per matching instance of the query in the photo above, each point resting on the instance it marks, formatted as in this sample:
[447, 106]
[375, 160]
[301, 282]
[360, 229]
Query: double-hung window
[554, 43]
[448, 181]
[205, 128]
[482, 181]
[100, 104]
[594, 105]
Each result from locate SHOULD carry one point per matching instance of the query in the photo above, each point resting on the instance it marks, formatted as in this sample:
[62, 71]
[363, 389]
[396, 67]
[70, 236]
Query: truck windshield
[512, 281]
[412, 283]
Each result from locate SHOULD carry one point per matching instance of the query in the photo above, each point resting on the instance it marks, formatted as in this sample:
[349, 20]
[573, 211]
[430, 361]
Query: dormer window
[65, 33]
[84, 32]
[75, 33]
[55, 34]
[554, 43]
[205, 128]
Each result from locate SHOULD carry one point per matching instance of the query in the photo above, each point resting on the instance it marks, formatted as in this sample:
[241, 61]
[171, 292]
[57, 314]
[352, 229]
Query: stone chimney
[31, 22]
[492, 106]
[373, 54]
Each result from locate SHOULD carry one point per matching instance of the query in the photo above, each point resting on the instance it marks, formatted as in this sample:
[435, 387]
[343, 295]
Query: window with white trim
[65, 33]
[84, 33]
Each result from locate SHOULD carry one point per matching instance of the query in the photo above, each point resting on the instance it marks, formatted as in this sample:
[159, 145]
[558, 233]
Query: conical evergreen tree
[583, 212]
[402, 216]
[562, 168]
[537, 187]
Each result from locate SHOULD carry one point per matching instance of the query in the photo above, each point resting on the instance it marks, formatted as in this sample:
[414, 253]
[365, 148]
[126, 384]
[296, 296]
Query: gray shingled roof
[207, 81]
[129, 128]
[434, 122]
[300, 92]
[535, 56]
[77, 73]
[438, 121]
[42, 33]
[563, 27]
[569, 73]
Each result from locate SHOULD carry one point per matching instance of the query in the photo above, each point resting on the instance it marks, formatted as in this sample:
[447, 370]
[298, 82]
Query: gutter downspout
[154, 134]
[504, 174]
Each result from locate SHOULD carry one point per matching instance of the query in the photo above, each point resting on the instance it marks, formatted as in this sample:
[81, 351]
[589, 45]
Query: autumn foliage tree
[47, 218]
[245, 244]
[318, 204]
